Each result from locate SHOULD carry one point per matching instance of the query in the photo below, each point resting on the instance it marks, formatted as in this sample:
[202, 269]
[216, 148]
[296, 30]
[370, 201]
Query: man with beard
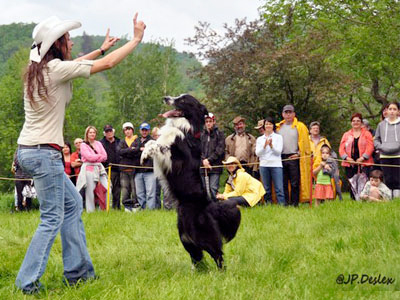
[242, 145]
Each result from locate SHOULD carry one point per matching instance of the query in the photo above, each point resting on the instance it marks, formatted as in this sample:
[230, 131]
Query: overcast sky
[165, 19]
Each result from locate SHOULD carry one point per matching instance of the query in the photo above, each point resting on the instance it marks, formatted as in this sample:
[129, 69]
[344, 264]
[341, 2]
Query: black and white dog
[202, 223]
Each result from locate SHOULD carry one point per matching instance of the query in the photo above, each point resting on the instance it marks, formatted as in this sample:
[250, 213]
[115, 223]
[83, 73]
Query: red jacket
[365, 146]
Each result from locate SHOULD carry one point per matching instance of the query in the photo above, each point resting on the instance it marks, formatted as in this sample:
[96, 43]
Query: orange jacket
[365, 146]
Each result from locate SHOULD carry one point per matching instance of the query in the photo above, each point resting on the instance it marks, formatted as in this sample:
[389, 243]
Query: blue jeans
[214, 183]
[60, 210]
[146, 189]
[275, 175]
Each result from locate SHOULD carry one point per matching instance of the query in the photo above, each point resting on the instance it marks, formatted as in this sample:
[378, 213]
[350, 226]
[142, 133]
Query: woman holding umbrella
[356, 148]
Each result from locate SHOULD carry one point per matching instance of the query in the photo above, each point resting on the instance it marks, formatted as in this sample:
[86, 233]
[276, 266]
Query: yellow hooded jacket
[305, 160]
[246, 186]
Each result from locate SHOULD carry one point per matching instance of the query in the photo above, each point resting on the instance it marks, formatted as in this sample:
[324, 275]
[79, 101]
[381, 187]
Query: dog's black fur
[202, 223]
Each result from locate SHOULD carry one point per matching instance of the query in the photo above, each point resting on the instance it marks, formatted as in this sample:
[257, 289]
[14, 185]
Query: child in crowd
[323, 171]
[375, 190]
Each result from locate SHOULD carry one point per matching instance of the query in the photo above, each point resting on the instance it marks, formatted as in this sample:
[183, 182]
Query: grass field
[278, 253]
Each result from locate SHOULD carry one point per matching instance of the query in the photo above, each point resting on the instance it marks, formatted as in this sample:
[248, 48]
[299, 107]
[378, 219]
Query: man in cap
[110, 144]
[242, 145]
[212, 153]
[127, 175]
[296, 154]
[145, 180]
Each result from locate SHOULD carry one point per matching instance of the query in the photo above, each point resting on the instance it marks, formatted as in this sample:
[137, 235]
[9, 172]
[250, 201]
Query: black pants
[19, 186]
[391, 174]
[239, 201]
[116, 189]
[291, 173]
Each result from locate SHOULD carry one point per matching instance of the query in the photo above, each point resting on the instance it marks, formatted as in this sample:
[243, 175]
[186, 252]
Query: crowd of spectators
[279, 158]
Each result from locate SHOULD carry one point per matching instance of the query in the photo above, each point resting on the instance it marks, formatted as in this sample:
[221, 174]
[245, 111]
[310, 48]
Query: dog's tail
[228, 216]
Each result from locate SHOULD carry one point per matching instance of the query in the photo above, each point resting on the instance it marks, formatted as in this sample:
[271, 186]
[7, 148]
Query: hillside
[18, 35]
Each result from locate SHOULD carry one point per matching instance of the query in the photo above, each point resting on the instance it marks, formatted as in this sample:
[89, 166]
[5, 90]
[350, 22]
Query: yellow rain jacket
[305, 160]
[246, 186]
[316, 150]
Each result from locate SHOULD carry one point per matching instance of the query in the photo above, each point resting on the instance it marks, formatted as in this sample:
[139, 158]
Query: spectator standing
[92, 171]
[260, 127]
[296, 154]
[67, 162]
[19, 185]
[322, 171]
[356, 148]
[110, 143]
[127, 174]
[145, 180]
[269, 150]
[168, 200]
[47, 91]
[242, 145]
[76, 161]
[316, 141]
[212, 153]
[387, 142]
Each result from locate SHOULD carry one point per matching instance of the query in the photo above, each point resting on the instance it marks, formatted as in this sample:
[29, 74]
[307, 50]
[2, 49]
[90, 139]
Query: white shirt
[44, 119]
[270, 157]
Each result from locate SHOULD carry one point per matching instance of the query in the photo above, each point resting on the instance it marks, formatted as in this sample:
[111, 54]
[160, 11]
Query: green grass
[278, 253]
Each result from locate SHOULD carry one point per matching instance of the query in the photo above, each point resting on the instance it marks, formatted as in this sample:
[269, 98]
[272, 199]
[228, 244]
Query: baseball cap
[288, 107]
[314, 123]
[127, 125]
[209, 116]
[108, 127]
[145, 126]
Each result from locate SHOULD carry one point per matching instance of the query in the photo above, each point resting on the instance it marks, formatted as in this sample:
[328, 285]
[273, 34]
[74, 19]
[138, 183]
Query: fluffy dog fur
[202, 223]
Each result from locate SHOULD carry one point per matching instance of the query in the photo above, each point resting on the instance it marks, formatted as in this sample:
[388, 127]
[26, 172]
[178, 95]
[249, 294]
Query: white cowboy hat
[46, 33]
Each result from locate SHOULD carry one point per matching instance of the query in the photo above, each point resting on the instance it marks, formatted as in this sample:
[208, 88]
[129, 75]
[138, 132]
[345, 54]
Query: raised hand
[109, 41]
[138, 28]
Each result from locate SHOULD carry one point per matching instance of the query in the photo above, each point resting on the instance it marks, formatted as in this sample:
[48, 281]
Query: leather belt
[40, 146]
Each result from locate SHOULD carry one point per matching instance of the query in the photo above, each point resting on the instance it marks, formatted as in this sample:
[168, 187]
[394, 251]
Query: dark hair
[326, 146]
[394, 103]
[69, 146]
[34, 78]
[356, 115]
[378, 174]
[270, 120]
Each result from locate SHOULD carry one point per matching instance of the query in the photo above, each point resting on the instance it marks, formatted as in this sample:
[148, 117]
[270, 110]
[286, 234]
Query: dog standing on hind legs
[203, 224]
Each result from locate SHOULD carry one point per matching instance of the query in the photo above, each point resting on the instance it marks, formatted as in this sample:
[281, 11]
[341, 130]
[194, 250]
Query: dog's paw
[149, 151]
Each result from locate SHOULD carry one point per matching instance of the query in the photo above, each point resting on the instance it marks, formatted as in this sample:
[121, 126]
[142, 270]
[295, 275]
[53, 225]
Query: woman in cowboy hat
[47, 91]
[241, 187]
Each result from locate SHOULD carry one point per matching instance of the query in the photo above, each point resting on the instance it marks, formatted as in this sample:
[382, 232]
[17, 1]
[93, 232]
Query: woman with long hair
[47, 91]
[67, 150]
[92, 170]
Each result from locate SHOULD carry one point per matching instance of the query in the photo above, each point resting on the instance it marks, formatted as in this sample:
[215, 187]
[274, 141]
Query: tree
[258, 70]
[140, 81]
[11, 111]
[362, 38]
